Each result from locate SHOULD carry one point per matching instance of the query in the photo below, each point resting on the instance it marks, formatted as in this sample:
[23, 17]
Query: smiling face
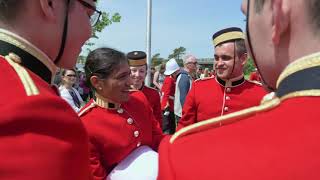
[69, 78]
[227, 66]
[138, 74]
[116, 87]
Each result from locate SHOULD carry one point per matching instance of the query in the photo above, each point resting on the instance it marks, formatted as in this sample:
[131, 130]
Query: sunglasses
[71, 75]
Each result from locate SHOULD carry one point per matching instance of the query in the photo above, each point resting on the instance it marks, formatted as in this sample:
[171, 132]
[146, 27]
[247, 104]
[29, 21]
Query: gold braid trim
[227, 37]
[92, 105]
[224, 120]
[310, 92]
[139, 62]
[312, 60]
[28, 84]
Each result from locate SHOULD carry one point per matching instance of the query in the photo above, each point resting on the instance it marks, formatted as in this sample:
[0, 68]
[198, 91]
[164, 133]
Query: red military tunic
[277, 140]
[212, 97]
[154, 100]
[167, 92]
[41, 136]
[116, 130]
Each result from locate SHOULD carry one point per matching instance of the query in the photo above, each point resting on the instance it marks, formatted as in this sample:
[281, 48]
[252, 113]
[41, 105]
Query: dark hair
[314, 14]
[9, 10]
[258, 5]
[63, 73]
[240, 47]
[102, 62]
[313, 7]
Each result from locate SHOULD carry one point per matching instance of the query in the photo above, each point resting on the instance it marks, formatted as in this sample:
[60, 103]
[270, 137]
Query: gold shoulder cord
[28, 84]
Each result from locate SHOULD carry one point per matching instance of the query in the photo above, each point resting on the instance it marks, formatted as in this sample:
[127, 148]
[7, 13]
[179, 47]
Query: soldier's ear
[280, 20]
[244, 58]
[96, 82]
[48, 9]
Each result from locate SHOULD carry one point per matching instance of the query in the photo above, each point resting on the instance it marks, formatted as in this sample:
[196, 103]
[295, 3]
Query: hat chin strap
[251, 49]
[64, 36]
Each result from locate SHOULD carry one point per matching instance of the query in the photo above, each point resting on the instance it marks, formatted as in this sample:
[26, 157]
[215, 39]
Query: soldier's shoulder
[87, 108]
[257, 83]
[268, 103]
[204, 79]
[11, 64]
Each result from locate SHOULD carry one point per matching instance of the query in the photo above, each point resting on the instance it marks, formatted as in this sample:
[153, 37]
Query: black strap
[64, 35]
[75, 98]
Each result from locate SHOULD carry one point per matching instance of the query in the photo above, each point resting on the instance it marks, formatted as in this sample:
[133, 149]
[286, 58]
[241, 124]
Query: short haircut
[185, 58]
[259, 5]
[240, 47]
[9, 10]
[64, 71]
[313, 7]
[314, 14]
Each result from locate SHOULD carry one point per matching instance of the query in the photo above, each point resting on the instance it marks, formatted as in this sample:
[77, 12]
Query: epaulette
[27, 82]
[203, 79]
[266, 104]
[83, 111]
[254, 82]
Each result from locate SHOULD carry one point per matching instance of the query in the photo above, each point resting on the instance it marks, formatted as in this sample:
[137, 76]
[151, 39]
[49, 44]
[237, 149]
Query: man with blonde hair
[279, 139]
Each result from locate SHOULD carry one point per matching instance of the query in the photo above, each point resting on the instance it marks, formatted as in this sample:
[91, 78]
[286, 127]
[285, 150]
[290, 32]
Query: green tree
[177, 54]
[106, 19]
[249, 67]
[156, 60]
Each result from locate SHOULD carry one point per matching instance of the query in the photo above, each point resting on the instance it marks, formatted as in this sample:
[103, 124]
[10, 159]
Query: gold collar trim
[105, 103]
[22, 43]
[312, 60]
[310, 92]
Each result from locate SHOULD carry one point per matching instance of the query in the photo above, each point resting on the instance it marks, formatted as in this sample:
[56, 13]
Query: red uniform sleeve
[165, 170]
[157, 134]
[97, 169]
[165, 90]
[42, 138]
[157, 109]
[189, 110]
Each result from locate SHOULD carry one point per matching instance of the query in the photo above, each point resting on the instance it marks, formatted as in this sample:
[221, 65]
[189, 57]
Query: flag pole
[148, 50]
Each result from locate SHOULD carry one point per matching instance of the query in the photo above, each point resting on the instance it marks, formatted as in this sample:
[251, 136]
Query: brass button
[228, 90]
[139, 144]
[15, 58]
[136, 133]
[130, 121]
[226, 109]
[120, 110]
[227, 98]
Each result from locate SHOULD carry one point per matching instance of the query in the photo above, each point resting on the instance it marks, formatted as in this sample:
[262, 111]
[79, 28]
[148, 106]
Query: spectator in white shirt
[67, 92]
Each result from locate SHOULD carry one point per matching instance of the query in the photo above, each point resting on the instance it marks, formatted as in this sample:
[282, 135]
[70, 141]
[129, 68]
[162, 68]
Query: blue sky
[175, 23]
